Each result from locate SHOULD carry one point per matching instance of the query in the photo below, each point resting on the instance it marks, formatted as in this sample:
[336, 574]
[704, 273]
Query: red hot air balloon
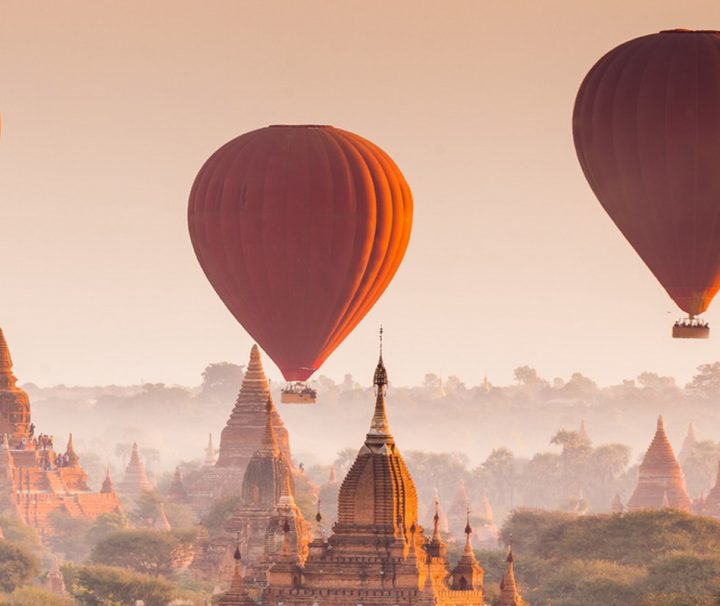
[299, 229]
[647, 133]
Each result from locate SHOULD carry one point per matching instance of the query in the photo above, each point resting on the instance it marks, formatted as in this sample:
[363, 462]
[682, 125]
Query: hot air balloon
[299, 229]
[646, 126]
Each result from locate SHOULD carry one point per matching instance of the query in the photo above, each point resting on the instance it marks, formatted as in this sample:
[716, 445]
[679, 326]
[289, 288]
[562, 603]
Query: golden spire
[5, 358]
[468, 535]
[436, 522]
[269, 441]
[379, 424]
[509, 595]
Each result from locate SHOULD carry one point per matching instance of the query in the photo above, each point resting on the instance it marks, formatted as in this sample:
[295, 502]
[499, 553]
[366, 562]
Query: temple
[266, 518]
[661, 482]
[688, 445]
[135, 482]
[35, 479]
[377, 554]
[240, 439]
[509, 594]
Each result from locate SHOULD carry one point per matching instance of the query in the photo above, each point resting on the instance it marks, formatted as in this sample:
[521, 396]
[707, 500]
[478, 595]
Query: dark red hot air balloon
[299, 229]
[647, 133]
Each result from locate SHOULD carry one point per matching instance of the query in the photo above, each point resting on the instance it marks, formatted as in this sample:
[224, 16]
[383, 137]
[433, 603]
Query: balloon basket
[690, 329]
[298, 393]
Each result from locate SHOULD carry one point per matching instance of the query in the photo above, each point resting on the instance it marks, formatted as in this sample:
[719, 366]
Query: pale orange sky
[110, 108]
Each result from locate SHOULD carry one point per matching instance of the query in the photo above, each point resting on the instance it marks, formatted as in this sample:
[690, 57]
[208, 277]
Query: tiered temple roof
[266, 507]
[135, 482]
[36, 481]
[14, 402]
[661, 477]
[240, 438]
[377, 554]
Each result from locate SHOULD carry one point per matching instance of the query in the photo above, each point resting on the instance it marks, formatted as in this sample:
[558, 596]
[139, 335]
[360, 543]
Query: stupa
[14, 402]
[177, 493]
[258, 524]
[377, 554]
[135, 482]
[688, 445]
[661, 478]
[509, 594]
[35, 480]
[240, 438]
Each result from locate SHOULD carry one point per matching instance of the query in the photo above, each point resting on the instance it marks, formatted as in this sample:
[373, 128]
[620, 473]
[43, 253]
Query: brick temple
[35, 478]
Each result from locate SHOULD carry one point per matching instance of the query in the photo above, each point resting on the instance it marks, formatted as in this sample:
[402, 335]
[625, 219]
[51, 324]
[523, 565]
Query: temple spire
[107, 485]
[379, 425]
[468, 535]
[436, 522]
[269, 443]
[509, 595]
[210, 452]
[72, 458]
[5, 358]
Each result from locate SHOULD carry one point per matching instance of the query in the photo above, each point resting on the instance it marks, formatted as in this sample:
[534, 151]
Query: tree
[221, 382]
[706, 383]
[701, 467]
[145, 551]
[220, 512]
[17, 566]
[103, 526]
[501, 466]
[34, 596]
[528, 378]
[147, 509]
[69, 535]
[108, 586]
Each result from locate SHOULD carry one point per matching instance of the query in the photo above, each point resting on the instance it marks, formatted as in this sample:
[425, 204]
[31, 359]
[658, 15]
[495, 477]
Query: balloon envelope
[299, 229]
[646, 126]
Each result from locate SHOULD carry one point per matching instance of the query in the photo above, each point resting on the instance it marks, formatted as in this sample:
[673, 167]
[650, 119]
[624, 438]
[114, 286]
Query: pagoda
[377, 554]
[661, 482]
[458, 508]
[437, 508]
[177, 493]
[35, 480]
[267, 506]
[509, 594]
[135, 482]
[14, 402]
[240, 439]
[688, 445]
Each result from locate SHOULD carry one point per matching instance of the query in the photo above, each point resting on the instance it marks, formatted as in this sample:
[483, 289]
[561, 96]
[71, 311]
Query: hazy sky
[110, 108]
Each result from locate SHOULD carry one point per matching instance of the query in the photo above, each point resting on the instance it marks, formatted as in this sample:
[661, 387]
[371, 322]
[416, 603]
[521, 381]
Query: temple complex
[135, 482]
[377, 554]
[35, 480]
[661, 482]
[240, 439]
[266, 518]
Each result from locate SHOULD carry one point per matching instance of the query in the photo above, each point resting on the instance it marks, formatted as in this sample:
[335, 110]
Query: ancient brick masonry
[266, 517]
[661, 481]
[34, 479]
[240, 439]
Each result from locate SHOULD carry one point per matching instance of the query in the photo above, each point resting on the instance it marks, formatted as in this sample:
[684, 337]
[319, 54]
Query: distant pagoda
[240, 439]
[135, 482]
[36, 480]
[688, 445]
[661, 481]
[177, 493]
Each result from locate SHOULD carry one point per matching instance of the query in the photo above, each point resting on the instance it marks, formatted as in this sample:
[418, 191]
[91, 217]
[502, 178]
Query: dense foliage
[648, 558]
